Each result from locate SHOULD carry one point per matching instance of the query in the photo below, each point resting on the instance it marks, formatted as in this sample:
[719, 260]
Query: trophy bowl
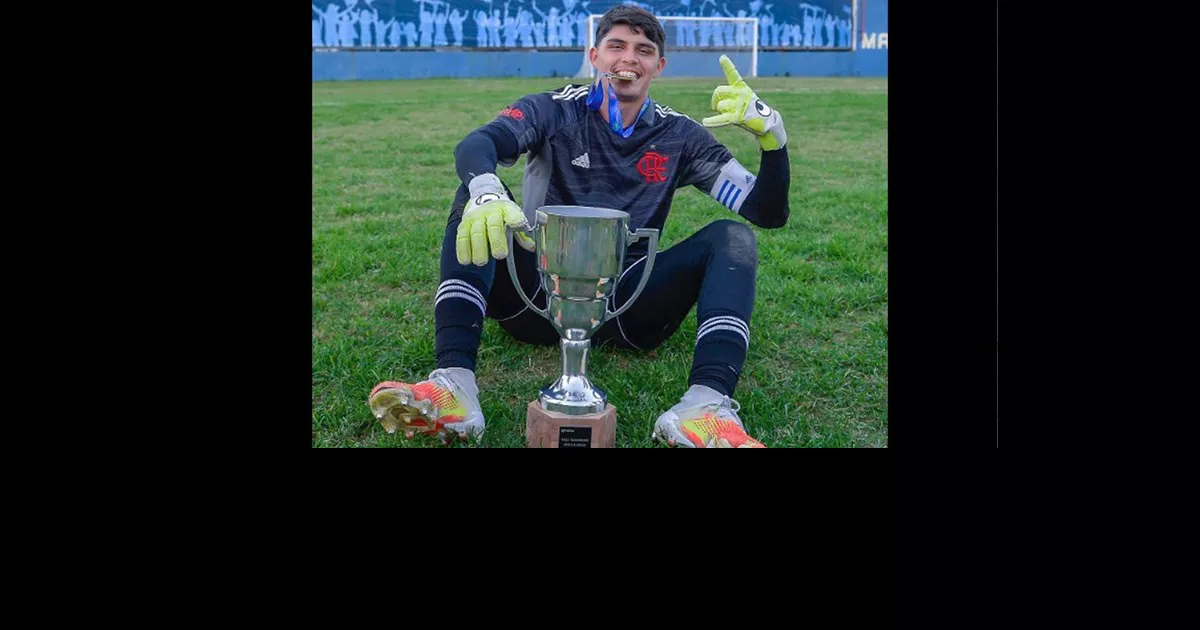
[580, 250]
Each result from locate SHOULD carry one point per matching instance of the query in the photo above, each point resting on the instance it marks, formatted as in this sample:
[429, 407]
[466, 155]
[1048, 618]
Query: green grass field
[382, 182]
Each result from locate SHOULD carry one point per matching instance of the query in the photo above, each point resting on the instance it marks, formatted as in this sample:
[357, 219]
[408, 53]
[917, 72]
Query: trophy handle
[653, 251]
[512, 272]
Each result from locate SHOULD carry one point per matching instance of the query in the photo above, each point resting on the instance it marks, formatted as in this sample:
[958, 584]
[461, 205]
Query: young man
[607, 145]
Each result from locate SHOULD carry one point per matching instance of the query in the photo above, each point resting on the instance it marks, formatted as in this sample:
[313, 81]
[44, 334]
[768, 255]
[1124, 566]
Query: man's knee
[736, 239]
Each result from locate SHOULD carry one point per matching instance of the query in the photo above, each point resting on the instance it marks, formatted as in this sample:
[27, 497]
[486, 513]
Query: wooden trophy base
[551, 429]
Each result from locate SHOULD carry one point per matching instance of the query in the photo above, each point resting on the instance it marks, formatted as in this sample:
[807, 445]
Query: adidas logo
[582, 161]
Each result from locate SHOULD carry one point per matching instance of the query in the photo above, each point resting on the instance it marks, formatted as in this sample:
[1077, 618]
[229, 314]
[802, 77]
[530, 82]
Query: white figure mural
[365, 20]
[525, 27]
[552, 24]
[481, 29]
[329, 19]
[495, 29]
[544, 36]
[426, 22]
[456, 19]
[439, 23]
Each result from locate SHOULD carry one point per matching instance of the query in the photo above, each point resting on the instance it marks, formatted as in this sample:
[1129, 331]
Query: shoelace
[726, 403]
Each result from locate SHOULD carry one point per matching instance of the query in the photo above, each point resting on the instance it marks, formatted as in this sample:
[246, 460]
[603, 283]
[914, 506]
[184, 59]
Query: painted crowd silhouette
[563, 24]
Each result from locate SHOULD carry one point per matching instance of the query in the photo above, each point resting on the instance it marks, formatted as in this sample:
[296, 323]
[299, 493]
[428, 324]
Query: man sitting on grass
[607, 145]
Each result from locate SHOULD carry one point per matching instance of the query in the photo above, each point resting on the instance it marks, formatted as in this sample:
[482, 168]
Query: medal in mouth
[596, 97]
[622, 76]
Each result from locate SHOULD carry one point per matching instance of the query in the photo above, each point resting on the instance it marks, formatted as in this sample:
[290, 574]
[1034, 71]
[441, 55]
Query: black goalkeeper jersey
[574, 159]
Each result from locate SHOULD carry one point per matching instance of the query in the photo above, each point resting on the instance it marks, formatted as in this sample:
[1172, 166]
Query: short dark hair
[638, 20]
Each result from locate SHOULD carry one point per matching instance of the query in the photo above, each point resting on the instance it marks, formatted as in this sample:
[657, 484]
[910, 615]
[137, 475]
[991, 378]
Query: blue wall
[562, 23]
[870, 60]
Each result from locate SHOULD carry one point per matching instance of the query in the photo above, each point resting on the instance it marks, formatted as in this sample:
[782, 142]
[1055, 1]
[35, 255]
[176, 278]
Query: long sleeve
[482, 150]
[767, 203]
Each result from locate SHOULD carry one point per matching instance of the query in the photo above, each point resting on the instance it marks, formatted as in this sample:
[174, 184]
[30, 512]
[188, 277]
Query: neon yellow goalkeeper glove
[487, 213]
[738, 105]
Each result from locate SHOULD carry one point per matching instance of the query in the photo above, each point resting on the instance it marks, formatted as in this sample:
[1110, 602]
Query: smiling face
[632, 58]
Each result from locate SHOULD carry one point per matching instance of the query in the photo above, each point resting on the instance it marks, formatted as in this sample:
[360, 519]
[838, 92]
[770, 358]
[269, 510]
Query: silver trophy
[579, 255]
